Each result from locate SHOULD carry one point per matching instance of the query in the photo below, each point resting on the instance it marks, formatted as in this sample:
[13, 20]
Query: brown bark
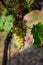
[21, 8]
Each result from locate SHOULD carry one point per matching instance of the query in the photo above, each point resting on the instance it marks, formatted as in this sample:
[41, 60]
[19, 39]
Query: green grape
[18, 41]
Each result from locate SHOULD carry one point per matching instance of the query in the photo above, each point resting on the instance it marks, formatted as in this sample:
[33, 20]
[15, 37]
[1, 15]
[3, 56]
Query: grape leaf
[1, 21]
[6, 22]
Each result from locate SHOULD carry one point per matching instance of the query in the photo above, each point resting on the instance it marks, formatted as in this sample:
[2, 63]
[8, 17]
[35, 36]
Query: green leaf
[1, 21]
[6, 22]
[7, 26]
[37, 32]
[9, 18]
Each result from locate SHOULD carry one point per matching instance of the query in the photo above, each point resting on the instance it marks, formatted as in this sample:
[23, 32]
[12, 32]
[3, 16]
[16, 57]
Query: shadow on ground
[30, 56]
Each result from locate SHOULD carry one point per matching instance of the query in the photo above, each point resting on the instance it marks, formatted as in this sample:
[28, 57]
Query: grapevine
[11, 21]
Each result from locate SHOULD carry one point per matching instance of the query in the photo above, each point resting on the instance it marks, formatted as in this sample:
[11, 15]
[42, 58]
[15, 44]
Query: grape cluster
[18, 41]
[19, 31]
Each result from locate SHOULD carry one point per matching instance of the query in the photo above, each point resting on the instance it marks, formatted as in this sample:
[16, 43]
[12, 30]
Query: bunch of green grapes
[19, 31]
[18, 41]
